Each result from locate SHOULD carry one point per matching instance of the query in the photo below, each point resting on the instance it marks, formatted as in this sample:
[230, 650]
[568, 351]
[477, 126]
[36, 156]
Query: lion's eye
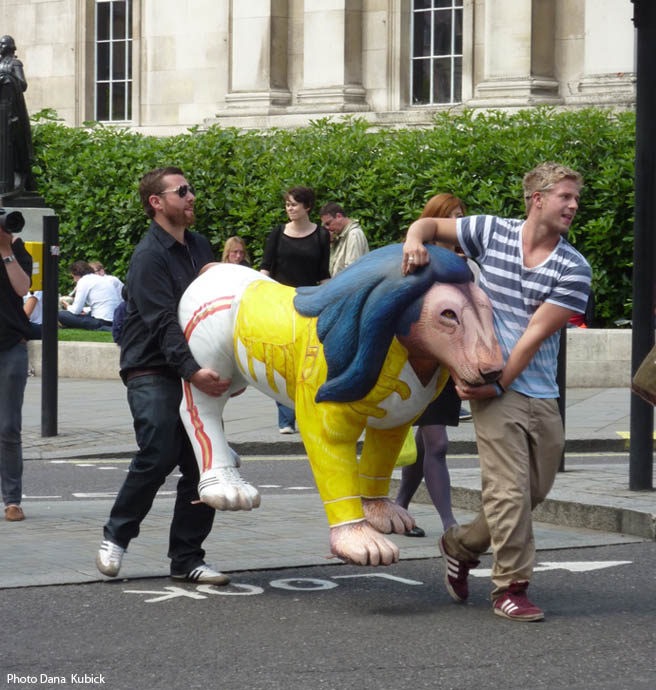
[449, 314]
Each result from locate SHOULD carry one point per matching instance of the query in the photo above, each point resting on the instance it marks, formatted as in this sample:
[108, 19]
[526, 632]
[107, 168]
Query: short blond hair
[545, 176]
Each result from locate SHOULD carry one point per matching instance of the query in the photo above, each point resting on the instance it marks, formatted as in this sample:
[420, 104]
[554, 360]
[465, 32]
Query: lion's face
[455, 329]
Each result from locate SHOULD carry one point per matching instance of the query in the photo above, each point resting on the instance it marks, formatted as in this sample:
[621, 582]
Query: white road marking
[34, 497]
[311, 584]
[385, 576]
[572, 566]
[112, 494]
[315, 584]
[168, 593]
[249, 590]
[581, 566]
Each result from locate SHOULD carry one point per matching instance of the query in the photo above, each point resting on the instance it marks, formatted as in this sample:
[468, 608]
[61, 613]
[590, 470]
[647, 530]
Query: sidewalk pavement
[94, 421]
[589, 504]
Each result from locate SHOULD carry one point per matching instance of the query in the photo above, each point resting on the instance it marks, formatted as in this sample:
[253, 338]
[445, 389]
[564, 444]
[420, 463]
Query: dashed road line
[88, 462]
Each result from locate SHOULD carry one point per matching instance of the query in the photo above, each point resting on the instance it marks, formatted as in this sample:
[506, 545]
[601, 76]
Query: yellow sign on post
[36, 251]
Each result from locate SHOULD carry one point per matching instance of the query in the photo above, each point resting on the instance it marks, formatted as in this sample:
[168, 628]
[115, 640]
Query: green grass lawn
[79, 334]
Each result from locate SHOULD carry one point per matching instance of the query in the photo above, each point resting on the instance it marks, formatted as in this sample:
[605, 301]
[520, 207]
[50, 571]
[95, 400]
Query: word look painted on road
[296, 584]
[311, 584]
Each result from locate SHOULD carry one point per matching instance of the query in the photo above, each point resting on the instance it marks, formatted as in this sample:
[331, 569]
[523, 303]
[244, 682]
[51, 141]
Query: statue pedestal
[33, 208]
[21, 199]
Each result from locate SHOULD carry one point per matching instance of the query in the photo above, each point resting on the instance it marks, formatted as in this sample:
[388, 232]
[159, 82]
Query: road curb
[292, 447]
[557, 512]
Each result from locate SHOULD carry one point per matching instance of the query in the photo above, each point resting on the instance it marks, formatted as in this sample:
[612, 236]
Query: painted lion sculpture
[367, 351]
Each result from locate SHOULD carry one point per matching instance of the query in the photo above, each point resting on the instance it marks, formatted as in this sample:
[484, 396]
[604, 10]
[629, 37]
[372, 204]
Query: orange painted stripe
[206, 310]
[199, 430]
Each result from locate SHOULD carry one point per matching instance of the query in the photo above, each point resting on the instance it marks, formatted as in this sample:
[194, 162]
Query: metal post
[49, 344]
[561, 380]
[642, 414]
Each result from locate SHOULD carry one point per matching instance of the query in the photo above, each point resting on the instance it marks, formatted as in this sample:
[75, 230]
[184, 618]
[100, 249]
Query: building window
[113, 61]
[436, 69]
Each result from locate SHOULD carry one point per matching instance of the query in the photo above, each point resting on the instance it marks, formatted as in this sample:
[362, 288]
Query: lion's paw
[223, 488]
[360, 544]
[387, 517]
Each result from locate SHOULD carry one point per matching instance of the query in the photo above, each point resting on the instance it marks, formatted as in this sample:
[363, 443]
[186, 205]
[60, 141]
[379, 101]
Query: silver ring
[410, 259]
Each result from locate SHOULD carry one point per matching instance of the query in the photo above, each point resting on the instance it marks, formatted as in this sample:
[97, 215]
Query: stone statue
[16, 151]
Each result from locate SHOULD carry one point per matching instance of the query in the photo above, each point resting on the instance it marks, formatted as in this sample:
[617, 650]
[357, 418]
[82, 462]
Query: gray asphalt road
[86, 478]
[82, 478]
[341, 627]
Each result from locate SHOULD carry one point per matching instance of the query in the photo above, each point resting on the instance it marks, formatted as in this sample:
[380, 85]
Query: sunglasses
[181, 191]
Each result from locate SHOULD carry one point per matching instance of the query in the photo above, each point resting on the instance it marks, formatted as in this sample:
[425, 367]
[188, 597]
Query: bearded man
[154, 358]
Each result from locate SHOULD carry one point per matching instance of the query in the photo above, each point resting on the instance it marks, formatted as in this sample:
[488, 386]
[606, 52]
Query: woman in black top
[296, 253]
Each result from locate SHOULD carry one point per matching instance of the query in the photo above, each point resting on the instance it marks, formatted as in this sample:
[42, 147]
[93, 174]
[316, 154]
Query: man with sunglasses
[154, 357]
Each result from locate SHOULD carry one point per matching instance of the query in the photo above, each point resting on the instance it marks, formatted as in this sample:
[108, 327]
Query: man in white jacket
[347, 241]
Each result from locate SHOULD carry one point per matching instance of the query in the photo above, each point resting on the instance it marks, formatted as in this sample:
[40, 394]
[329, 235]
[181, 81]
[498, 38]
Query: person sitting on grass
[99, 270]
[95, 291]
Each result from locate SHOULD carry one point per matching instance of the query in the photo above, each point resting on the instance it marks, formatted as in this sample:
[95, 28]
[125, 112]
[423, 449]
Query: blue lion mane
[361, 309]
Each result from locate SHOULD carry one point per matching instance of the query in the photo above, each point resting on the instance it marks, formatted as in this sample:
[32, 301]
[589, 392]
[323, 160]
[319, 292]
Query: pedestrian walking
[154, 358]
[15, 277]
[536, 282]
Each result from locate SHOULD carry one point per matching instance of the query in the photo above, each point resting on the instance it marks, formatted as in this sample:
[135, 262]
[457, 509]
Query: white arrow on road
[572, 566]
[168, 593]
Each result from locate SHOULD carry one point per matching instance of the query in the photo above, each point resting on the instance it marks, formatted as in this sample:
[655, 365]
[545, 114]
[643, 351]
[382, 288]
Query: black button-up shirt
[160, 270]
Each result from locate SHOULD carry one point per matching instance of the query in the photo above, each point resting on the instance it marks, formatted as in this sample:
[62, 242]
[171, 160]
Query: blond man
[536, 282]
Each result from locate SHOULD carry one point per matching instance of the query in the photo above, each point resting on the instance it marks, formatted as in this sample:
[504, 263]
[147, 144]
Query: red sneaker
[455, 574]
[514, 604]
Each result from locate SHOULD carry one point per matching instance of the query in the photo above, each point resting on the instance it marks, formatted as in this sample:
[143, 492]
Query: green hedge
[383, 177]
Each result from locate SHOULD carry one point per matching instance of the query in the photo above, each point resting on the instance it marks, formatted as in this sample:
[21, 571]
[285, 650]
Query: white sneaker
[109, 557]
[204, 575]
[286, 430]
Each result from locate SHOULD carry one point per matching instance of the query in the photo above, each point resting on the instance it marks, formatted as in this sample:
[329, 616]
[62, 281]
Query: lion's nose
[490, 376]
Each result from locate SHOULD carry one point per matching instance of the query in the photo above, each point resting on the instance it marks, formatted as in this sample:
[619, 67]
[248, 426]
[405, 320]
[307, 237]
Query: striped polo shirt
[517, 291]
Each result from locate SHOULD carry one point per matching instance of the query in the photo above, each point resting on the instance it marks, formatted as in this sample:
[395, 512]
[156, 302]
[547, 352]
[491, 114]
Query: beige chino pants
[520, 443]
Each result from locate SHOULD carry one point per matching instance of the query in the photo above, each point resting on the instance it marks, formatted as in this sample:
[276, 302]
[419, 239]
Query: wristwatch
[8, 259]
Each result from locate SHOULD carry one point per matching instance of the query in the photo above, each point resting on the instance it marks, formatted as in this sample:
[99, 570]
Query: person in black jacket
[154, 357]
[15, 277]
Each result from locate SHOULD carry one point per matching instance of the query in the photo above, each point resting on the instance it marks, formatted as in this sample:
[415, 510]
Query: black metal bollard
[49, 339]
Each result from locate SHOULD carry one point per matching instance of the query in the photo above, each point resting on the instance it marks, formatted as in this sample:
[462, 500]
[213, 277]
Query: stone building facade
[161, 66]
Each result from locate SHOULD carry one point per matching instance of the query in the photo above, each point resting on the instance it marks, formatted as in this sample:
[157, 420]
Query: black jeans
[163, 443]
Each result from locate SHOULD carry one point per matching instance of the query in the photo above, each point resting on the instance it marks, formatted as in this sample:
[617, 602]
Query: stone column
[519, 54]
[258, 52]
[609, 54]
[332, 55]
